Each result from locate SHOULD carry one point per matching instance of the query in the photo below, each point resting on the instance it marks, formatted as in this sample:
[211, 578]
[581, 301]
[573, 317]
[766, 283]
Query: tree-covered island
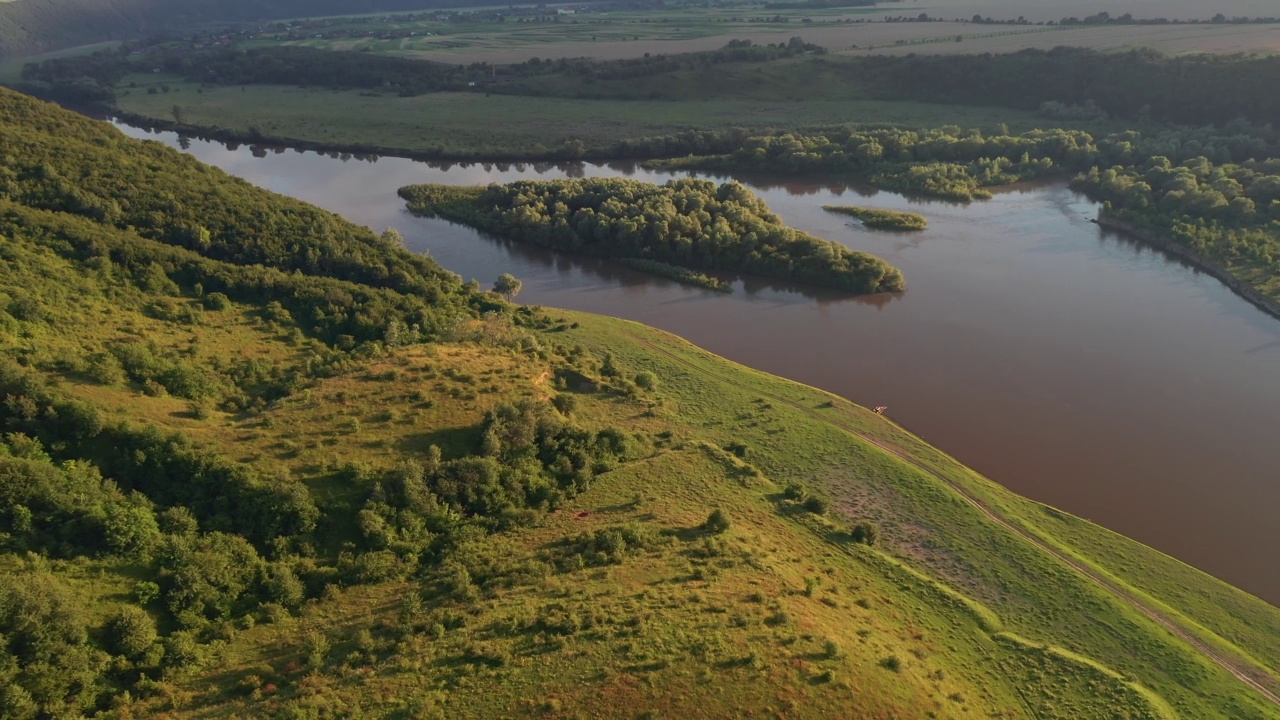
[688, 223]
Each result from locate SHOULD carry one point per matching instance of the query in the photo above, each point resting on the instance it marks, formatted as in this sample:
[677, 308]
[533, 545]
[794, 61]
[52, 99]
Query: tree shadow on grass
[453, 442]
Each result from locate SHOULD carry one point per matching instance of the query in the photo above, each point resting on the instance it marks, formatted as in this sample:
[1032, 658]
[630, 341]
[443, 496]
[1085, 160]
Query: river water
[1068, 364]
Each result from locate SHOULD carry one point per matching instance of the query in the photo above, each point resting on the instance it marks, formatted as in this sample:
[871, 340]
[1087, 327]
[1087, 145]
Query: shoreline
[1197, 261]
[225, 135]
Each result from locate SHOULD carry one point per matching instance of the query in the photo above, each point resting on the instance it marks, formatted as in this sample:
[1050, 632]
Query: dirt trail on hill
[1246, 672]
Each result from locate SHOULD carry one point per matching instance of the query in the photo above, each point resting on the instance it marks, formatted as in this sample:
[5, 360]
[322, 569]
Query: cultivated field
[614, 35]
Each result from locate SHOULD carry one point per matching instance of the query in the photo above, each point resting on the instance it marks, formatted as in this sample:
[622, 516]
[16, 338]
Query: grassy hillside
[258, 461]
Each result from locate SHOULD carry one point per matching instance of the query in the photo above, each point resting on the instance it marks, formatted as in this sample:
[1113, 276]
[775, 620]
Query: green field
[464, 123]
[11, 70]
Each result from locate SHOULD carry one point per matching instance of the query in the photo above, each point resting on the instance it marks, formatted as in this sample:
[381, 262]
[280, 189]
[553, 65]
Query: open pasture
[462, 123]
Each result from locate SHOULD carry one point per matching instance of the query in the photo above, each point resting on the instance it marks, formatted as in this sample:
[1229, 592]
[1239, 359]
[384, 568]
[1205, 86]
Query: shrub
[609, 367]
[566, 404]
[284, 587]
[795, 491]
[182, 650]
[26, 309]
[105, 369]
[716, 523]
[318, 647]
[200, 410]
[865, 532]
[831, 649]
[816, 505]
[892, 663]
[130, 631]
[647, 381]
[145, 591]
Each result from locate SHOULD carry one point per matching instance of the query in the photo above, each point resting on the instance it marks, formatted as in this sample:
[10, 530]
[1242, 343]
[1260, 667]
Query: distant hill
[29, 27]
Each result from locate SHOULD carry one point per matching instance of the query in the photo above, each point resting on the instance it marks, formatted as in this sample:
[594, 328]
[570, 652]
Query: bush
[892, 663]
[181, 649]
[817, 505]
[831, 649]
[647, 381]
[26, 309]
[566, 404]
[609, 367]
[130, 632]
[716, 523]
[105, 369]
[284, 587]
[796, 492]
[866, 533]
[145, 591]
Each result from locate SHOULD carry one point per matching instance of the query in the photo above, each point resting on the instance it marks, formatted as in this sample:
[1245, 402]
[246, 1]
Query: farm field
[605, 36]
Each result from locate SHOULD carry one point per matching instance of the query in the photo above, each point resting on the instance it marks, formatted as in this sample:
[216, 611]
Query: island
[688, 224]
[881, 219]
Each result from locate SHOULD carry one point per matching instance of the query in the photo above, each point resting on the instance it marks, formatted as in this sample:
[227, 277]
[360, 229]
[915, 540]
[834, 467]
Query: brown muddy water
[1071, 365]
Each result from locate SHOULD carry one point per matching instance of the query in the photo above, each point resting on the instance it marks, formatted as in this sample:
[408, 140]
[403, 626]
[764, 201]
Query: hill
[29, 27]
[258, 461]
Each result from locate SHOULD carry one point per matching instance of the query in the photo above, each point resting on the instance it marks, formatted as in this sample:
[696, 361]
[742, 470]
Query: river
[1066, 363]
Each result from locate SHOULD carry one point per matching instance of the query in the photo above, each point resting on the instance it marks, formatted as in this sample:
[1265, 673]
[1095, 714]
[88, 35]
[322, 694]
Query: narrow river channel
[1071, 365]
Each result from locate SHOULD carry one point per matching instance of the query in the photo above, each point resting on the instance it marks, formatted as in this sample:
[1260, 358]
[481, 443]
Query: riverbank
[1202, 264]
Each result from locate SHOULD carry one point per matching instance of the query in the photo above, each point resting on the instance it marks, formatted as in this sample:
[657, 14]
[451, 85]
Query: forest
[1227, 214]
[689, 223]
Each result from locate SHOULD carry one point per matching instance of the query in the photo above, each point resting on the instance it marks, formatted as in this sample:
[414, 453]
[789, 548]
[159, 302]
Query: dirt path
[1244, 671]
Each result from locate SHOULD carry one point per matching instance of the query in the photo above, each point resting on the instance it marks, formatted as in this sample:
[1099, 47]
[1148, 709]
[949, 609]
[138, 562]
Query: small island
[880, 219]
[677, 230]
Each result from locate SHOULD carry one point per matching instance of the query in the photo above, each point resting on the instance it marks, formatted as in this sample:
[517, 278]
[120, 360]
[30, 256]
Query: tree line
[952, 162]
[689, 223]
[1138, 84]
[96, 78]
